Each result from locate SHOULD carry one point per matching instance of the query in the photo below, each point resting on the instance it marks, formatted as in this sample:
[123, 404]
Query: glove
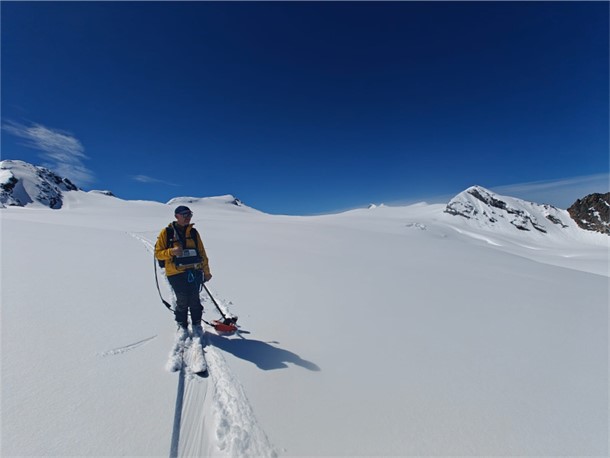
[207, 277]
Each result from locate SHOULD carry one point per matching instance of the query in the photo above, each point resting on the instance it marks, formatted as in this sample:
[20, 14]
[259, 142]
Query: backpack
[172, 235]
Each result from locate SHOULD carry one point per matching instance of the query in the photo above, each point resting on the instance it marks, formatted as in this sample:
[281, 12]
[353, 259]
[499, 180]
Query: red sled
[225, 328]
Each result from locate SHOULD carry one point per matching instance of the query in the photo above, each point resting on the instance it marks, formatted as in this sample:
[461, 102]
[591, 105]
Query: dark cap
[182, 209]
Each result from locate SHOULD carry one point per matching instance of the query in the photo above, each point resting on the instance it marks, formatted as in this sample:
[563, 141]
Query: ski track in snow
[175, 441]
[233, 429]
[149, 245]
[237, 430]
[213, 416]
[126, 348]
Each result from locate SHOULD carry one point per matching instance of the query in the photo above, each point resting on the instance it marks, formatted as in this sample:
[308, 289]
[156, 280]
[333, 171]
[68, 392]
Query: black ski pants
[186, 286]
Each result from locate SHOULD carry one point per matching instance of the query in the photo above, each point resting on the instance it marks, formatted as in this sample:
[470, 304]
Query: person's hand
[207, 277]
[176, 251]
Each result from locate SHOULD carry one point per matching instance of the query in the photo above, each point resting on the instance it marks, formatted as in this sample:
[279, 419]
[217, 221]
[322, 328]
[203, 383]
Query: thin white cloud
[151, 180]
[562, 192]
[63, 152]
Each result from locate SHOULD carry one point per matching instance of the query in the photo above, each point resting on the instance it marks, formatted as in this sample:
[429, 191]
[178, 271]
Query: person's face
[184, 218]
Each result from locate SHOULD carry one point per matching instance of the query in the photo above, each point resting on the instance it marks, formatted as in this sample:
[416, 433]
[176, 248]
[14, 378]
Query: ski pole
[214, 301]
[226, 319]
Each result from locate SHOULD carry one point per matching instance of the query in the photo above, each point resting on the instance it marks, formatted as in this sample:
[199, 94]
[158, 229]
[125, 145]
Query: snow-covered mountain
[389, 331]
[22, 184]
[491, 211]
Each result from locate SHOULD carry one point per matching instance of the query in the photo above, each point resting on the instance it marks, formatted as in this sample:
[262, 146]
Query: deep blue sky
[308, 107]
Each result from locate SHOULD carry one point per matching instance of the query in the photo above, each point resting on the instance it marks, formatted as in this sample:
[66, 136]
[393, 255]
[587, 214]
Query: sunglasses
[186, 215]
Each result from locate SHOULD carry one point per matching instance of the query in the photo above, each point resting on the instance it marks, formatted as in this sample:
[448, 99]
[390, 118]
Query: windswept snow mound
[22, 184]
[488, 210]
[226, 201]
[102, 192]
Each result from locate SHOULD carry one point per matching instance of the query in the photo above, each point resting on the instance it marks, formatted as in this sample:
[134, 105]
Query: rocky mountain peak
[22, 184]
[494, 211]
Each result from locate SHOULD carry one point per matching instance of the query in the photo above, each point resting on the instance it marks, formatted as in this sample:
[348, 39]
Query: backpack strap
[194, 236]
[170, 232]
[170, 235]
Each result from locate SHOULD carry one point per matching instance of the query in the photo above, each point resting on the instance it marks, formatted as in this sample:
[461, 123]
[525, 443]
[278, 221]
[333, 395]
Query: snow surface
[375, 332]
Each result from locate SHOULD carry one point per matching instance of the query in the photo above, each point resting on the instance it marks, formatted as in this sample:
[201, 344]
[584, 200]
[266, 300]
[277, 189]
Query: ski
[196, 356]
[175, 361]
[187, 353]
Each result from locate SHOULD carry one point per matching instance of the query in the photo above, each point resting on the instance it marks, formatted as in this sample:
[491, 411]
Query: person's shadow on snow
[264, 355]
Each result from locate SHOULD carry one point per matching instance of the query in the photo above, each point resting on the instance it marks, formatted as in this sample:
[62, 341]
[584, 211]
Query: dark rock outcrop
[592, 212]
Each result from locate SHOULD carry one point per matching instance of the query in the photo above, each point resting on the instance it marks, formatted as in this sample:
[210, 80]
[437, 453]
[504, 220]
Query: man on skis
[180, 250]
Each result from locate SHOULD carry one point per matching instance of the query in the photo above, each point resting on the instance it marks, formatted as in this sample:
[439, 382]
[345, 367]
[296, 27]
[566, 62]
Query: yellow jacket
[163, 252]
